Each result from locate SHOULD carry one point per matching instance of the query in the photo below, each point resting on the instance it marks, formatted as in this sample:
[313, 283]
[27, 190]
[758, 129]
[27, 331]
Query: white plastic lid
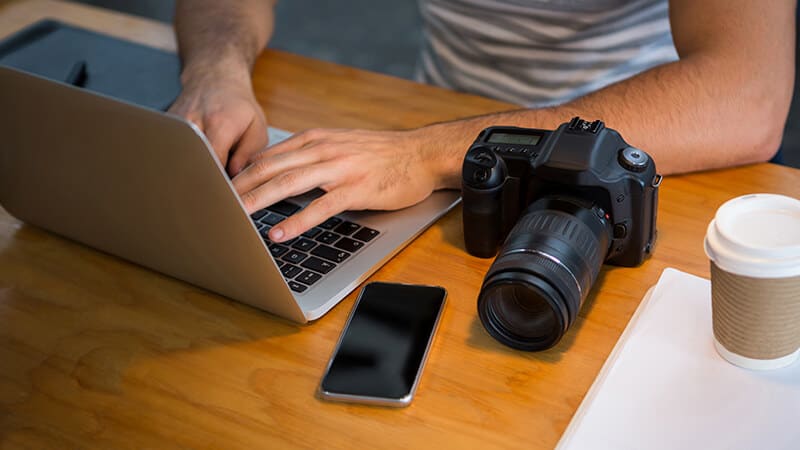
[756, 235]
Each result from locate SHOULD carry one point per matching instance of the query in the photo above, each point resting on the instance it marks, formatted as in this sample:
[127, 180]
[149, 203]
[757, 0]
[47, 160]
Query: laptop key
[304, 245]
[312, 232]
[297, 287]
[349, 245]
[330, 223]
[272, 219]
[277, 250]
[328, 237]
[258, 214]
[290, 271]
[330, 253]
[264, 231]
[294, 257]
[283, 207]
[318, 265]
[308, 277]
[347, 228]
[366, 234]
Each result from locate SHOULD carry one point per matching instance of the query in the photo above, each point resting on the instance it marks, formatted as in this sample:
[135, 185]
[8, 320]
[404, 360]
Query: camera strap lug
[657, 181]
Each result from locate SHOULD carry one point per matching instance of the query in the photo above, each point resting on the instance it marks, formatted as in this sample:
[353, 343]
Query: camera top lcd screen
[511, 138]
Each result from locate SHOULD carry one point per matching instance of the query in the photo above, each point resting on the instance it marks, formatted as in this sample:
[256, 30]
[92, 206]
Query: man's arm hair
[226, 35]
[724, 103]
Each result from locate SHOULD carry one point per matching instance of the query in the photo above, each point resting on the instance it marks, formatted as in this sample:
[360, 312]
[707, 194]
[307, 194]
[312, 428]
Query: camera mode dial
[633, 159]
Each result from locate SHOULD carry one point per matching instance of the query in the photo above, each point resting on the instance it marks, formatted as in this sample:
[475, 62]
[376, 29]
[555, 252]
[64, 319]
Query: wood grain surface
[98, 353]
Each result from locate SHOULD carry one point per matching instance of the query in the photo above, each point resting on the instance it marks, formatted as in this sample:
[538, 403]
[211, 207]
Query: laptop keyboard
[306, 259]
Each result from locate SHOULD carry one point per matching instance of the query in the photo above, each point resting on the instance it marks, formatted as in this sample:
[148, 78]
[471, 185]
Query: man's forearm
[668, 111]
[723, 103]
[225, 36]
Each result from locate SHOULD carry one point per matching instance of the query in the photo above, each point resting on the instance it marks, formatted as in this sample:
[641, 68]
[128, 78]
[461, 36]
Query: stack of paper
[665, 387]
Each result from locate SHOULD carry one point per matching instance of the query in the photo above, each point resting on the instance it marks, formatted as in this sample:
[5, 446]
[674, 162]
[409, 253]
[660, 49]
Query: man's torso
[538, 52]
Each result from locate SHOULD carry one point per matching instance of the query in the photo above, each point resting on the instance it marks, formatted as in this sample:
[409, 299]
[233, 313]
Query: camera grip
[481, 216]
[483, 178]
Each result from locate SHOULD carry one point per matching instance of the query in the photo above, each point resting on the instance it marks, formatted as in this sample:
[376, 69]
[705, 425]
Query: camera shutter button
[484, 157]
[633, 159]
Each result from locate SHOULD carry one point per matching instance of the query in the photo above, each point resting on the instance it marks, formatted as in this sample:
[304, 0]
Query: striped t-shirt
[541, 52]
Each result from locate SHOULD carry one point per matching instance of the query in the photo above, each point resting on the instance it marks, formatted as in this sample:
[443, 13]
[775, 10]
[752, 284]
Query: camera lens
[535, 287]
[520, 313]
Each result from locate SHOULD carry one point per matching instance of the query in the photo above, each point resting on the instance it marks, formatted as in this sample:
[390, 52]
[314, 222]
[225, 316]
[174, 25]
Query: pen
[78, 75]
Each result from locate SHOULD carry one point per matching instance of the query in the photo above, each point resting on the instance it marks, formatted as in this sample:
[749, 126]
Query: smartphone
[384, 345]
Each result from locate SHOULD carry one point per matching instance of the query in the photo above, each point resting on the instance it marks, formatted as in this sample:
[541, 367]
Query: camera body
[508, 168]
[565, 202]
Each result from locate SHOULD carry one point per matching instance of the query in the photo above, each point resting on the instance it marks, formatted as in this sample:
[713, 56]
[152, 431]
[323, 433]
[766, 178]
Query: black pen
[78, 75]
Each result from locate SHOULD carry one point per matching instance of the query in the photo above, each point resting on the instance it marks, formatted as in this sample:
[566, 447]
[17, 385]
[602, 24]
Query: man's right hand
[224, 107]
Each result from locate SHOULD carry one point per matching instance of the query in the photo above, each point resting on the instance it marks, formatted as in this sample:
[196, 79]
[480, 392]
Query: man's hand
[357, 169]
[218, 43]
[224, 107]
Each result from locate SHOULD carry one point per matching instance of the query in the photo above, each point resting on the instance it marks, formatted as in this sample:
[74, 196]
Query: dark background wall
[377, 35]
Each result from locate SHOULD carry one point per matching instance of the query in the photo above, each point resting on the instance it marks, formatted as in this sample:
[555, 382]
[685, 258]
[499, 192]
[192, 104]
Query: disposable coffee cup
[753, 245]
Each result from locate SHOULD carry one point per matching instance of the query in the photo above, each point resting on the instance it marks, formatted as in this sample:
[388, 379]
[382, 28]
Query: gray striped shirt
[541, 52]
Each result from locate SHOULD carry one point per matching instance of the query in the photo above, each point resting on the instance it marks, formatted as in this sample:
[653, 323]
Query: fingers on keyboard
[305, 260]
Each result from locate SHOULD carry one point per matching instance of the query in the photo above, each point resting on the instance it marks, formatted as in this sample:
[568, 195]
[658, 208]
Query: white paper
[666, 387]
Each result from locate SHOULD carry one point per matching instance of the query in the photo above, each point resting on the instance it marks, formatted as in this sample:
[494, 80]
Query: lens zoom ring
[567, 227]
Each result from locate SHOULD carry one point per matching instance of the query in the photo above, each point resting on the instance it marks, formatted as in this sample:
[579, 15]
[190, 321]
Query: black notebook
[108, 65]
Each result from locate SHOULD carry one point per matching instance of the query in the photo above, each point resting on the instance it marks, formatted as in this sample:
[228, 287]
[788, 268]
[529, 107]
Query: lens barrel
[534, 289]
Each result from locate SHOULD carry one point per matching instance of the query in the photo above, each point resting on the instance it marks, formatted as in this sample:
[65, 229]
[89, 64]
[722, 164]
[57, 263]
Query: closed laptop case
[125, 70]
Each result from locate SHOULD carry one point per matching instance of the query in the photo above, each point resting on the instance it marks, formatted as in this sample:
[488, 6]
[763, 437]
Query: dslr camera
[565, 202]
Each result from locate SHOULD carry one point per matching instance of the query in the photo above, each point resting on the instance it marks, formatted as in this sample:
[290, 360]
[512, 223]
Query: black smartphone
[384, 345]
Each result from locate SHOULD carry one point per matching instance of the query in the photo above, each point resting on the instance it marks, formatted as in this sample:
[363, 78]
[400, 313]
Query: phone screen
[384, 345]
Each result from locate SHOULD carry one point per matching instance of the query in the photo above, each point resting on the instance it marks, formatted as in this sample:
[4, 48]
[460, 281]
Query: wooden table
[97, 352]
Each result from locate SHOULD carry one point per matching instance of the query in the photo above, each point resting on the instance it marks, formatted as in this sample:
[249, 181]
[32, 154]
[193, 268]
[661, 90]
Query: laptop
[146, 186]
